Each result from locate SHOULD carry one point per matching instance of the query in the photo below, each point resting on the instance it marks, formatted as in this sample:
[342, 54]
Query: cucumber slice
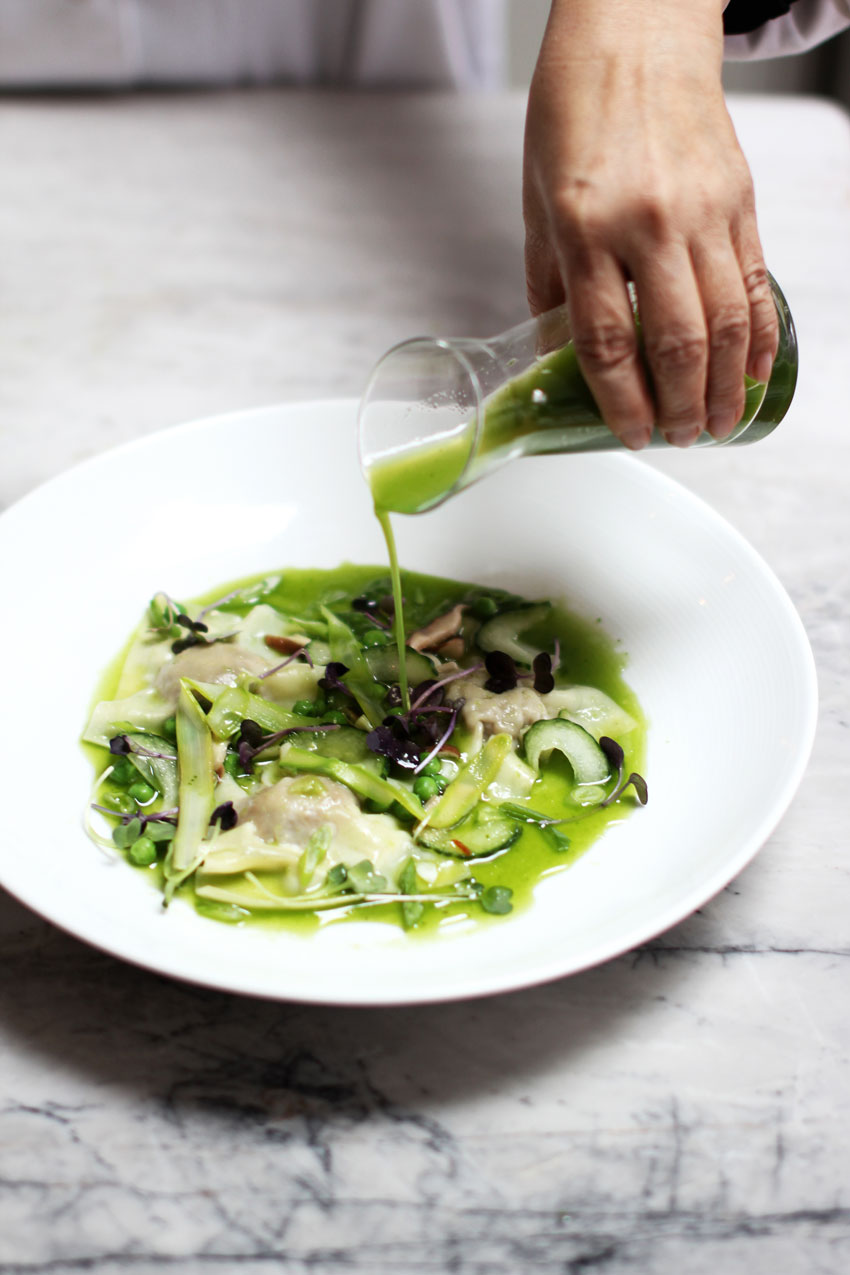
[383, 665]
[502, 633]
[483, 833]
[589, 763]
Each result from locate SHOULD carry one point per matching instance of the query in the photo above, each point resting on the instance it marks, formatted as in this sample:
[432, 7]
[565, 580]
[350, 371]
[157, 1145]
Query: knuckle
[757, 284]
[605, 348]
[681, 351]
[729, 329]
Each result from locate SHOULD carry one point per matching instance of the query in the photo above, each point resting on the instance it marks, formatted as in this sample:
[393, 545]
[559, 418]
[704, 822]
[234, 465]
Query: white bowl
[717, 656]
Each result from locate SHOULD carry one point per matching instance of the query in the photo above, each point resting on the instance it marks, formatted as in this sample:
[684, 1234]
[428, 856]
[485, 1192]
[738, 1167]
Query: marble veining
[684, 1108]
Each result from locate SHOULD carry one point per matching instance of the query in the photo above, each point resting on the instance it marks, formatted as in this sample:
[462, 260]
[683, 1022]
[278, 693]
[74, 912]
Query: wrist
[687, 36]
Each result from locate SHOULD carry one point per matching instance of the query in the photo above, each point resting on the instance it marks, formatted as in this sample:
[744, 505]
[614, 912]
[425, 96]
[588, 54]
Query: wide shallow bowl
[717, 655]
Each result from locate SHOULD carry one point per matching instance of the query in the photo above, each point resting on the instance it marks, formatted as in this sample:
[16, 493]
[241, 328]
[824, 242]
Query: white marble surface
[685, 1108]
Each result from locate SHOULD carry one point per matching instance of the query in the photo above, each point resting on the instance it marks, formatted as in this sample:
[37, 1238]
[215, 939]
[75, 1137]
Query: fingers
[727, 318]
[606, 344]
[705, 320]
[675, 337]
[764, 323]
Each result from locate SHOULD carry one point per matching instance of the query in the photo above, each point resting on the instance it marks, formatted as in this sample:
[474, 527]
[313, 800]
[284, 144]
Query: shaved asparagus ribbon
[196, 791]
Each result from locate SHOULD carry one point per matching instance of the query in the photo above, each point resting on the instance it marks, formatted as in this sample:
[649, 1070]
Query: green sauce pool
[591, 657]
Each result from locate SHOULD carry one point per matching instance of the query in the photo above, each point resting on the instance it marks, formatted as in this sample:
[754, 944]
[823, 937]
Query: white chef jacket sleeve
[805, 24]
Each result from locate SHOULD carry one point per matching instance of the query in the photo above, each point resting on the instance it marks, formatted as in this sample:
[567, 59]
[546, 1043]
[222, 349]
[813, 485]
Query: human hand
[633, 172]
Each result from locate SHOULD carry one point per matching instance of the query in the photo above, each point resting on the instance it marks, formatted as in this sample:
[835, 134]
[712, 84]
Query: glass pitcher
[440, 413]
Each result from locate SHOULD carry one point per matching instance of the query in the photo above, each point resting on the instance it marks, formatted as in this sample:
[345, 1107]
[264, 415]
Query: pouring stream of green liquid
[546, 409]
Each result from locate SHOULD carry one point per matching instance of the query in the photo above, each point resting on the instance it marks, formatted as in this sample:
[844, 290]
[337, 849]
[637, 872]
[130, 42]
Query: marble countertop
[685, 1107]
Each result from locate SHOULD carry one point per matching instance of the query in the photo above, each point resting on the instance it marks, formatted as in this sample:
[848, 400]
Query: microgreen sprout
[253, 740]
[332, 680]
[616, 756]
[225, 816]
[302, 652]
[542, 669]
[504, 674]
[121, 745]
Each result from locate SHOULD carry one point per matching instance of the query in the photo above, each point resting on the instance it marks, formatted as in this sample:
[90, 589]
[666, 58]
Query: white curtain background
[468, 44]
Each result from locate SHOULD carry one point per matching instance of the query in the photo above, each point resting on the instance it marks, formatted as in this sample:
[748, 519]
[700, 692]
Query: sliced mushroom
[285, 644]
[438, 631]
[453, 649]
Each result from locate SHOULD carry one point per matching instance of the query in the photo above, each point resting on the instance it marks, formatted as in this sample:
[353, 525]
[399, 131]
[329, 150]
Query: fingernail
[721, 424]
[635, 439]
[762, 368]
[683, 437]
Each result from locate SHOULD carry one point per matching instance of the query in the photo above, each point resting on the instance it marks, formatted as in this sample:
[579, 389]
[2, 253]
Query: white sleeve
[809, 22]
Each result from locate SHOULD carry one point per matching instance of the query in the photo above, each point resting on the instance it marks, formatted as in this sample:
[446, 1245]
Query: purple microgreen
[542, 668]
[613, 752]
[387, 605]
[195, 635]
[225, 816]
[331, 681]
[194, 626]
[444, 681]
[616, 756]
[392, 739]
[219, 602]
[502, 670]
[121, 745]
[364, 604]
[639, 784]
[183, 644]
[296, 655]
[444, 738]
[383, 625]
[252, 740]
[422, 692]
[393, 696]
[161, 817]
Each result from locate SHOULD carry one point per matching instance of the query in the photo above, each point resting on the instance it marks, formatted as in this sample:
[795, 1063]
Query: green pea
[304, 708]
[142, 852]
[141, 792]
[375, 637]
[169, 728]
[434, 767]
[335, 717]
[496, 899]
[123, 772]
[484, 608]
[424, 787]
[120, 802]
